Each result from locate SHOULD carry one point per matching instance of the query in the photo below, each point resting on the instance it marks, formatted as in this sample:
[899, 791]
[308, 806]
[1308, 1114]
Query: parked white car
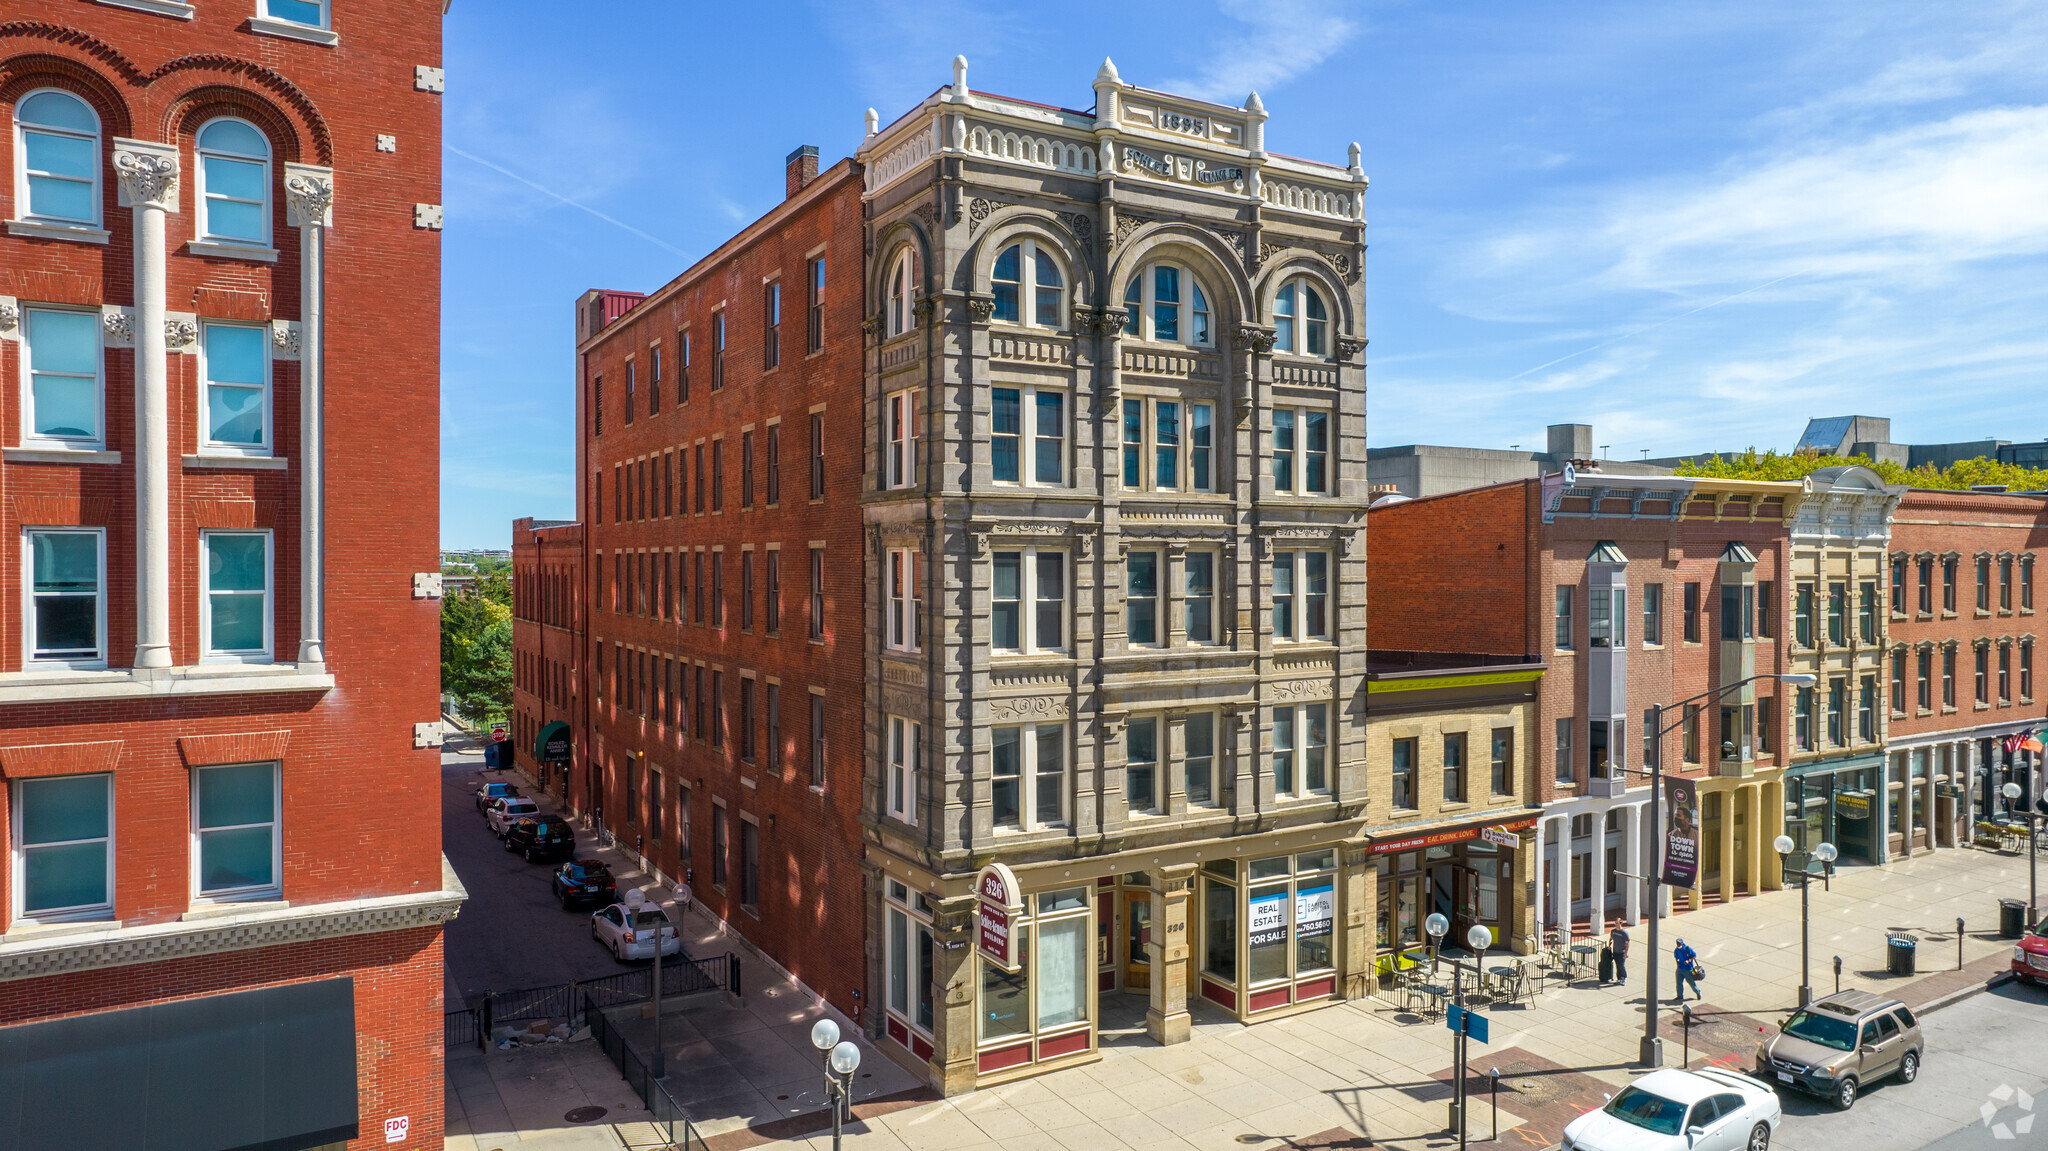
[630, 934]
[1674, 1110]
[503, 813]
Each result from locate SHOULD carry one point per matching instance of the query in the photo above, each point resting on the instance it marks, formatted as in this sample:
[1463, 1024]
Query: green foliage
[1960, 476]
[476, 649]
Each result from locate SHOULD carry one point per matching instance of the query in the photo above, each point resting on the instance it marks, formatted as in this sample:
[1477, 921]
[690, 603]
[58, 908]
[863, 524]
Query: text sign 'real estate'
[999, 904]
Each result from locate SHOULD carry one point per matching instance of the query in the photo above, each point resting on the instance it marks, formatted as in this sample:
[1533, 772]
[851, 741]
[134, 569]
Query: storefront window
[910, 955]
[1315, 905]
[1219, 930]
[1268, 934]
[1004, 1005]
[1063, 971]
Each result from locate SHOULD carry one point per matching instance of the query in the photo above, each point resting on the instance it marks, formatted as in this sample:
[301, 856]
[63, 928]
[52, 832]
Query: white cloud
[1281, 39]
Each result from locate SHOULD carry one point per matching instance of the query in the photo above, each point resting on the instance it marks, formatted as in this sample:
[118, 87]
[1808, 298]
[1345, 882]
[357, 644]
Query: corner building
[219, 725]
[1114, 510]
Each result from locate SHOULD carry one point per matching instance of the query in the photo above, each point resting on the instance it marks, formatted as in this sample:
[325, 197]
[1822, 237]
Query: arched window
[1026, 272]
[1167, 306]
[58, 141]
[902, 295]
[1301, 322]
[234, 184]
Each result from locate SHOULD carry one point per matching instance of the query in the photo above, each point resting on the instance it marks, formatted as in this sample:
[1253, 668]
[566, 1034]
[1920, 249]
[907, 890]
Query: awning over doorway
[266, 1070]
[552, 744]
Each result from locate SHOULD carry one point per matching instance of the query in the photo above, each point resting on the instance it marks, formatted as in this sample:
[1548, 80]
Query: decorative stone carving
[1302, 689]
[872, 325]
[1258, 339]
[284, 339]
[923, 309]
[929, 215]
[120, 328]
[978, 211]
[1268, 251]
[1079, 223]
[1113, 723]
[180, 334]
[10, 317]
[1348, 347]
[308, 197]
[1126, 223]
[980, 308]
[147, 177]
[1029, 707]
[1237, 243]
[1109, 321]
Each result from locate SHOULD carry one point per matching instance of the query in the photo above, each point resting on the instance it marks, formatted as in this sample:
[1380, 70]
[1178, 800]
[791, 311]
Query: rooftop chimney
[802, 169]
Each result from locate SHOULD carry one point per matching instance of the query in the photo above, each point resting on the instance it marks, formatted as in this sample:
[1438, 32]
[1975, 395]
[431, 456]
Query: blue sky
[1692, 226]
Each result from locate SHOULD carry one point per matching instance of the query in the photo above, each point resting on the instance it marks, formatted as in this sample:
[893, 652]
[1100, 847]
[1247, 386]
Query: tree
[1960, 476]
[476, 649]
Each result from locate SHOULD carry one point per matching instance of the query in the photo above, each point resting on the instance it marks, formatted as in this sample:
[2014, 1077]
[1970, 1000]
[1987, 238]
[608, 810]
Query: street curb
[1954, 997]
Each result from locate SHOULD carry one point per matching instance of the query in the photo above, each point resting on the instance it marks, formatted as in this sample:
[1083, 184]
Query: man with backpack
[1688, 962]
[1618, 943]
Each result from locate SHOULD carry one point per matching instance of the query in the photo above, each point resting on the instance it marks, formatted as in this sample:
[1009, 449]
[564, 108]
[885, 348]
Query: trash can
[2012, 918]
[1899, 951]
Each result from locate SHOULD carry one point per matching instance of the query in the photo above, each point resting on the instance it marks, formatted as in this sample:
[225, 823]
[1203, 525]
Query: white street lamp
[1826, 853]
[2013, 792]
[842, 1059]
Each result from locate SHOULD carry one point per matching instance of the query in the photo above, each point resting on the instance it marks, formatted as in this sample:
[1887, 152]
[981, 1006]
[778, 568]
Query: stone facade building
[1116, 574]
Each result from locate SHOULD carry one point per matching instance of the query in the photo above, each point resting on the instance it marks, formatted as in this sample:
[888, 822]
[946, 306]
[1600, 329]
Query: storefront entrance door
[1137, 937]
[1465, 883]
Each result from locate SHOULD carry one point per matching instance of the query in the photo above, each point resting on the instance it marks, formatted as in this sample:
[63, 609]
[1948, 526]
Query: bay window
[1301, 595]
[899, 425]
[235, 822]
[1028, 287]
[1028, 784]
[67, 608]
[1028, 436]
[1167, 306]
[1301, 451]
[906, 751]
[57, 177]
[236, 621]
[235, 362]
[65, 399]
[1028, 609]
[234, 184]
[63, 847]
[1301, 321]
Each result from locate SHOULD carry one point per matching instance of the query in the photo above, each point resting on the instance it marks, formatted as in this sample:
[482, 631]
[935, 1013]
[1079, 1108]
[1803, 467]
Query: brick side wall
[1449, 573]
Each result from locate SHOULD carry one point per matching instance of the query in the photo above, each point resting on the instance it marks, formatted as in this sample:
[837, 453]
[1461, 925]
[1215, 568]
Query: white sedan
[503, 813]
[630, 934]
[1674, 1110]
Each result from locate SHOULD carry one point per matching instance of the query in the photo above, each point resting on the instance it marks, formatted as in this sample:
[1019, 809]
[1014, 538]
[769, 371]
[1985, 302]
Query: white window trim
[1027, 285]
[1187, 597]
[914, 920]
[26, 432]
[206, 648]
[240, 894]
[1160, 732]
[19, 868]
[21, 197]
[1183, 757]
[1298, 754]
[1300, 594]
[1027, 777]
[266, 24]
[899, 440]
[1298, 466]
[904, 763]
[1027, 436]
[1140, 325]
[904, 604]
[204, 225]
[900, 305]
[1300, 320]
[1148, 444]
[1162, 623]
[28, 584]
[1027, 601]
[208, 446]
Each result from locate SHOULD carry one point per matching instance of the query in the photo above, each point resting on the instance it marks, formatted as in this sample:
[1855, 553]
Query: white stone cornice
[308, 195]
[38, 952]
[148, 173]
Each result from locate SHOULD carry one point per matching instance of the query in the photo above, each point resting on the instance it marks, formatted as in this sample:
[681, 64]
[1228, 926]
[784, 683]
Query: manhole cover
[584, 1115]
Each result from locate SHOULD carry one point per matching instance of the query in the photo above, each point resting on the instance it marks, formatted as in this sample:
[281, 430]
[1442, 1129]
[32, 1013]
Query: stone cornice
[55, 951]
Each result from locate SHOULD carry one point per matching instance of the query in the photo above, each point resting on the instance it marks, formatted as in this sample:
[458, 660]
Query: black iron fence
[662, 1109]
[680, 975]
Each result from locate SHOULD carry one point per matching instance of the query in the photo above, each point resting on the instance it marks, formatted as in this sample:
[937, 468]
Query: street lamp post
[635, 900]
[2013, 792]
[1652, 1049]
[1479, 937]
[1826, 854]
[842, 1059]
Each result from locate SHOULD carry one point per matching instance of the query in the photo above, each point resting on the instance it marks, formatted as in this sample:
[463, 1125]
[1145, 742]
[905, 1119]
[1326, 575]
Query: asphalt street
[1985, 1072]
[511, 933]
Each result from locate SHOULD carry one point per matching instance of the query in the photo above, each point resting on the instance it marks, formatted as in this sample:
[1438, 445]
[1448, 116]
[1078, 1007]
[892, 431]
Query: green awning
[552, 744]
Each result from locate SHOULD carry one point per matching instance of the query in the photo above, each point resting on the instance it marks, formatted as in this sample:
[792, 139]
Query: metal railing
[662, 1109]
[680, 975]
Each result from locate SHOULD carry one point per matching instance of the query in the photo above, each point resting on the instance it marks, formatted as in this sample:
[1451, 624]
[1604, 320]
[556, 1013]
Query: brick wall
[1450, 573]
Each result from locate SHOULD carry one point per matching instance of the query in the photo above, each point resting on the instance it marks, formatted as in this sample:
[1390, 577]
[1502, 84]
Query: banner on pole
[1681, 833]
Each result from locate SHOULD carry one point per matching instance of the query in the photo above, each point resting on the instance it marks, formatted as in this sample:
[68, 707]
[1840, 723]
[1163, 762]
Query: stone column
[1753, 836]
[1358, 896]
[309, 207]
[1596, 879]
[148, 174]
[1770, 827]
[1730, 801]
[1166, 1016]
[1522, 935]
[956, 972]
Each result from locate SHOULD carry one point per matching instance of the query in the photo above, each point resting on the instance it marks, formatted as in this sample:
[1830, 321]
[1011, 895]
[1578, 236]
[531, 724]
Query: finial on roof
[959, 77]
[874, 122]
[1253, 104]
[1107, 71]
[1354, 154]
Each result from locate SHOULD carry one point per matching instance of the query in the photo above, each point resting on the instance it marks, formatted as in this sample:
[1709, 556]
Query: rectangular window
[1802, 719]
[817, 740]
[746, 591]
[1766, 602]
[1950, 577]
[236, 623]
[746, 469]
[235, 361]
[906, 739]
[1563, 616]
[1301, 451]
[774, 464]
[1404, 773]
[64, 400]
[1200, 601]
[1454, 767]
[1301, 595]
[1028, 610]
[721, 847]
[899, 425]
[718, 709]
[750, 865]
[63, 847]
[668, 495]
[1899, 585]
[1599, 617]
[703, 488]
[2026, 583]
[1983, 674]
[1925, 692]
[1693, 608]
[597, 406]
[683, 368]
[1765, 708]
[1948, 676]
[1028, 788]
[1032, 449]
[1653, 614]
[1502, 761]
[632, 391]
[653, 406]
[1866, 612]
[1802, 615]
[903, 616]
[1689, 734]
[774, 706]
[1899, 680]
[817, 455]
[1200, 759]
[2005, 583]
[2004, 674]
[771, 325]
[1983, 583]
[817, 593]
[1838, 692]
[1284, 742]
[717, 589]
[1866, 709]
[717, 475]
[1141, 597]
[1141, 764]
[234, 830]
[814, 328]
[67, 614]
[2026, 670]
[697, 604]
[773, 604]
[1563, 750]
[717, 350]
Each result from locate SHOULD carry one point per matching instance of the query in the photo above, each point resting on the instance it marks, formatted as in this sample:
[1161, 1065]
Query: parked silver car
[631, 935]
[1836, 1046]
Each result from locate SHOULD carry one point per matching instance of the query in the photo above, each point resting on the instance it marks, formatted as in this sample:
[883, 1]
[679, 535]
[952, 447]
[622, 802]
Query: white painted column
[309, 207]
[1596, 914]
[1632, 833]
[1542, 869]
[148, 175]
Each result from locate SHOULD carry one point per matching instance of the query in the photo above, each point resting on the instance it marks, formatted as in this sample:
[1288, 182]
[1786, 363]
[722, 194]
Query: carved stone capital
[285, 339]
[148, 173]
[872, 326]
[923, 309]
[1109, 321]
[308, 196]
[1348, 347]
[10, 315]
[119, 324]
[1259, 339]
[180, 334]
[980, 307]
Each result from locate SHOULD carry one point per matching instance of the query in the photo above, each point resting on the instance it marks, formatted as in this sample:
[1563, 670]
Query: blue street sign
[1474, 1024]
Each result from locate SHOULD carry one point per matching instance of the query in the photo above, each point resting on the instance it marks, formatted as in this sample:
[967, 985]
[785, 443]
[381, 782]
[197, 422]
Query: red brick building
[719, 477]
[219, 290]
[547, 641]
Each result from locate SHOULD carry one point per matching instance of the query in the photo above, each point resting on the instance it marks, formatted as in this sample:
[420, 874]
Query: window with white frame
[1028, 287]
[899, 426]
[312, 13]
[64, 401]
[63, 847]
[1198, 759]
[1167, 306]
[1028, 609]
[910, 957]
[1199, 601]
[236, 622]
[67, 594]
[902, 291]
[1028, 436]
[906, 751]
[1142, 615]
[235, 361]
[57, 173]
[1141, 764]
[1301, 321]
[904, 604]
[1160, 453]
[1301, 595]
[1301, 451]
[235, 841]
[1028, 784]
[234, 183]
[1301, 739]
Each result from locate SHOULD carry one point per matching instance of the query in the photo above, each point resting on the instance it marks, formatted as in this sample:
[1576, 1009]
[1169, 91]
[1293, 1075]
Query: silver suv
[1833, 1046]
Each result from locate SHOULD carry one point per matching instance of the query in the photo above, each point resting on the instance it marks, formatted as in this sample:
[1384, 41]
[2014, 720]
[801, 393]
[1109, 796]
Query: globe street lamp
[1478, 937]
[2013, 791]
[1826, 853]
[842, 1059]
[635, 900]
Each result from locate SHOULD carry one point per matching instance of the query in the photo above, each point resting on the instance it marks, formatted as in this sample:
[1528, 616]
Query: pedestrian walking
[1619, 943]
[1688, 962]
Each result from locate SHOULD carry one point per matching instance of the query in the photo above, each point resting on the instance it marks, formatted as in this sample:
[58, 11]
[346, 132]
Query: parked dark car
[491, 791]
[541, 839]
[584, 882]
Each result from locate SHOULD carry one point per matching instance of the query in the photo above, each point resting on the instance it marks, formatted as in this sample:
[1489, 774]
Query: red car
[2030, 955]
